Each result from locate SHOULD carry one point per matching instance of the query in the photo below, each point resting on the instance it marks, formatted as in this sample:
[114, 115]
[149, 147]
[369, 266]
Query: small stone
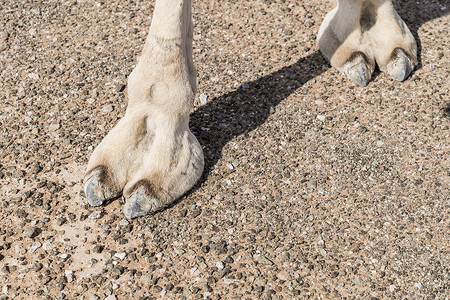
[121, 256]
[47, 245]
[36, 168]
[288, 32]
[196, 212]
[37, 266]
[183, 212]
[310, 133]
[124, 222]
[119, 270]
[111, 297]
[203, 99]
[309, 23]
[46, 279]
[334, 274]
[95, 215]
[222, 273]
[229, 281]
[220, 265]
[418, 182]
[61, 221]
[205, 249]
[264, 260]
[98, 248]
[34, 247]
[60, 296]
[54, 127]
[108, 108]
[178, 251]
[34, 76]
[120, 87]
[93, 297]
[21, 213]
[146, 279]
[392, 288]
[5, 289]
[206, 287]
[259, 288]
[31, 232]
[412, 119]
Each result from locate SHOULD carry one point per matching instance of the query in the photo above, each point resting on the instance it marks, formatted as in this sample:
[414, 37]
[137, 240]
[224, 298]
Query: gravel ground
[313, 187]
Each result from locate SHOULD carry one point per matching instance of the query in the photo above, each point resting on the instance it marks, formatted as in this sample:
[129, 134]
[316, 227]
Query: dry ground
[313, 187]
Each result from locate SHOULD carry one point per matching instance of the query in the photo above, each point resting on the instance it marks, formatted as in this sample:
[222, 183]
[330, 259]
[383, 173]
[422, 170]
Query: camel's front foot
[151, 156]
[152, 161]
[358, 34]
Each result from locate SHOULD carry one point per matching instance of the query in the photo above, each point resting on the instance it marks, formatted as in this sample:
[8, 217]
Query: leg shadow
[246, 108]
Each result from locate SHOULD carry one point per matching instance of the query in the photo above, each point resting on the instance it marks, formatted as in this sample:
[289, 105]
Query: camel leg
[151, 155]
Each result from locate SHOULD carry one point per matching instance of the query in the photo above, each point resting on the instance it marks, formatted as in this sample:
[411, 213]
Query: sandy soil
[313, 187]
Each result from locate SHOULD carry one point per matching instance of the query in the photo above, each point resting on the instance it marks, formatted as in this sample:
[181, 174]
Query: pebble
[108, 108]
[229, 281]
[31, 232]
[18, 249]
[120, 87]
[95, 215]
[310, 133]
[146, 279]
[54, 127]
[111, 297]
[178, 251]
[220, 265]
[263, 260]
[34, 247]
[5, 289]
[34, 76]
[60, 296]
[64, 256]
[124, 222]
[47, 245]
[36, 168]
[203, 99]
[121, 256]
[37, 266]
[61, 221]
